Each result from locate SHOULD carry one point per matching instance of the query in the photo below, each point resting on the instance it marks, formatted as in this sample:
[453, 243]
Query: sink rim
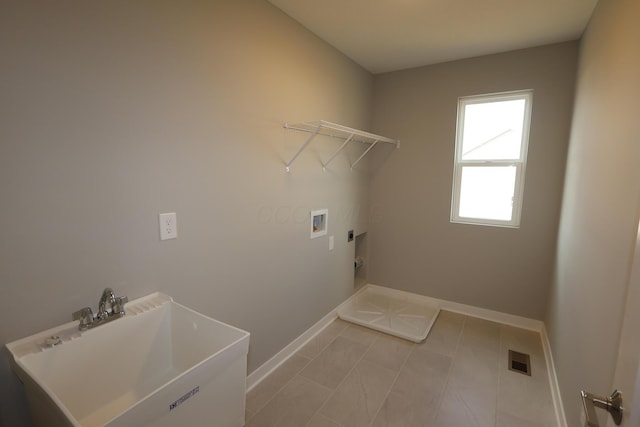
[34, 344]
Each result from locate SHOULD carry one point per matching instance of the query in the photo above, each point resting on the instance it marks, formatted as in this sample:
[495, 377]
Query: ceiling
[389, 35]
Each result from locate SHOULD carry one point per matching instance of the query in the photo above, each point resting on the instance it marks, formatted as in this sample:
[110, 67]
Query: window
[491, 151]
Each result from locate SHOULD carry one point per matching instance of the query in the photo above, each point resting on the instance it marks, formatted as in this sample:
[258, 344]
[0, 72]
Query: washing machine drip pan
[391, 311]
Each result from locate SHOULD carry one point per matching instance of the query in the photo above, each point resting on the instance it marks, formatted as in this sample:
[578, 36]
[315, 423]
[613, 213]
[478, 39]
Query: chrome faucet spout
[110, 308]
[106, 304]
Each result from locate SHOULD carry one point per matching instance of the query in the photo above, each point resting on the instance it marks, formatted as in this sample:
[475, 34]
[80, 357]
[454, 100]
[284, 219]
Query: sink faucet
[110, 308]
[107, 301]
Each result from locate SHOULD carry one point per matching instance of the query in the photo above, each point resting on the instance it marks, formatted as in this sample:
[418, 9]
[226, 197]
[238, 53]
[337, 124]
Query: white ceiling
[388, 35]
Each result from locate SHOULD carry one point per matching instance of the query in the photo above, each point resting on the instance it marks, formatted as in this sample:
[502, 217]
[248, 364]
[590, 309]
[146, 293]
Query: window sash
[517, 194]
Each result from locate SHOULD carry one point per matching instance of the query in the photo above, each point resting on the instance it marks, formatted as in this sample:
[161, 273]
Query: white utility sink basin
[162, 364]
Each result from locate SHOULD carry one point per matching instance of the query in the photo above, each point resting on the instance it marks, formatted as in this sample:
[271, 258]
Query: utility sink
[162, 364]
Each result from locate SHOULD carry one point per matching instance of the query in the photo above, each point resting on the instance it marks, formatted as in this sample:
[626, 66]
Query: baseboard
[495, 316]
[553, 380]
[272, 364]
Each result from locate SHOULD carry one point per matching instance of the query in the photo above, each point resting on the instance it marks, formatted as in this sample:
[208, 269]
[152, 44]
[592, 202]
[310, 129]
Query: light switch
[331, 243]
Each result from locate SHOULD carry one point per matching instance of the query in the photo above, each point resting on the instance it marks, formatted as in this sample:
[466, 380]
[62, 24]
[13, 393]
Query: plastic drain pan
[394, 312]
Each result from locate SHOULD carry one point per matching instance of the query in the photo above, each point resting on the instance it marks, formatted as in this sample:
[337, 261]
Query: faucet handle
[118, 307]
[85, 316]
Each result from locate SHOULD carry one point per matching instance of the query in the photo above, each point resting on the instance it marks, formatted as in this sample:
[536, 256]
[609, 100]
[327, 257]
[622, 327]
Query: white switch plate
[331, 243]
[168, 226]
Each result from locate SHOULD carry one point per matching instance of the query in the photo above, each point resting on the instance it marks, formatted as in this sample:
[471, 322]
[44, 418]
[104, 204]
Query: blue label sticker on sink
[186, 396]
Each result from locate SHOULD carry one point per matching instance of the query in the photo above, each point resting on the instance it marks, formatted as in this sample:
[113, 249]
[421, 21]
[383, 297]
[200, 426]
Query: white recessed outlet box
[168, 226]
[319, 223]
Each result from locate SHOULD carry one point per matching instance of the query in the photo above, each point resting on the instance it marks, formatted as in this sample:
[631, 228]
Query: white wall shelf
[333, 130]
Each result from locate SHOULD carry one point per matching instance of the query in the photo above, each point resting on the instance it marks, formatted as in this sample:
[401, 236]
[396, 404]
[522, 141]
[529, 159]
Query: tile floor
[352, 376]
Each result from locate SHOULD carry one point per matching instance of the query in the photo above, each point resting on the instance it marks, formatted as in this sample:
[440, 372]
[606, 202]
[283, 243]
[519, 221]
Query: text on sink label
[186, 396]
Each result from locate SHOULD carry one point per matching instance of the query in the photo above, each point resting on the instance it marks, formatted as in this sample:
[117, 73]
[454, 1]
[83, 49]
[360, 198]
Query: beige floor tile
[248, 414]
[525, 397]
[468, 405]
[334, 363]
[389, 352]
[416, 394]
[318, 343]
[293, 406]
[481, 334]
[267, 388]
[399, 410]
[360, 334]
[427, 367]
[475, 366]
[445, 334]
[507, 420]
[320, 420]
[360, 395]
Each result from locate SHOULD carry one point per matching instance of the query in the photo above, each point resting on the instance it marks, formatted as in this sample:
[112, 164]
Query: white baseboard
[272, 364]
[553, 380]
[495, 316]
[279, 358]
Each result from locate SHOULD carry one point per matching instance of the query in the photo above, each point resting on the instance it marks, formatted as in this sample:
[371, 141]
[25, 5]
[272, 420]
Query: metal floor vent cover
[519, 362]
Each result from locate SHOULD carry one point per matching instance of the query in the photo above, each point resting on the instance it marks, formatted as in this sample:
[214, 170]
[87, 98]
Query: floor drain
[519, 362]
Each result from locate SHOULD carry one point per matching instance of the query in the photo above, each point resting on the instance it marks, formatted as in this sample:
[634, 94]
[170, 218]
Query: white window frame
[520, 164]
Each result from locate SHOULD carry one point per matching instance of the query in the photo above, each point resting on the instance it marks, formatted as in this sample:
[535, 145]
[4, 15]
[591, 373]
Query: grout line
[326, 345]
[393, 383]
[453, 361]
[333, 392]
[317, 412]
[280, 389]
[311, 359]
[279, 358]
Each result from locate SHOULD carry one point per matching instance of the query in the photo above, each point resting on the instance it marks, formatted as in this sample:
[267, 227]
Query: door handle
[612, 404]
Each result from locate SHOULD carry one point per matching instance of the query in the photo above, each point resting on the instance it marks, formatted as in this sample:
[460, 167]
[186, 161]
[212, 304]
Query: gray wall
[600, 209]
[114, 111]
[413, 245]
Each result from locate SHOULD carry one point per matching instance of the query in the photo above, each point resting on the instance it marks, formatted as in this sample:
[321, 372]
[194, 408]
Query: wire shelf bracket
[334, 130]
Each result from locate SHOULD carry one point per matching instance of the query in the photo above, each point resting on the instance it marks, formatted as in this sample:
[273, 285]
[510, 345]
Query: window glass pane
[487, 192]
[493, 130]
